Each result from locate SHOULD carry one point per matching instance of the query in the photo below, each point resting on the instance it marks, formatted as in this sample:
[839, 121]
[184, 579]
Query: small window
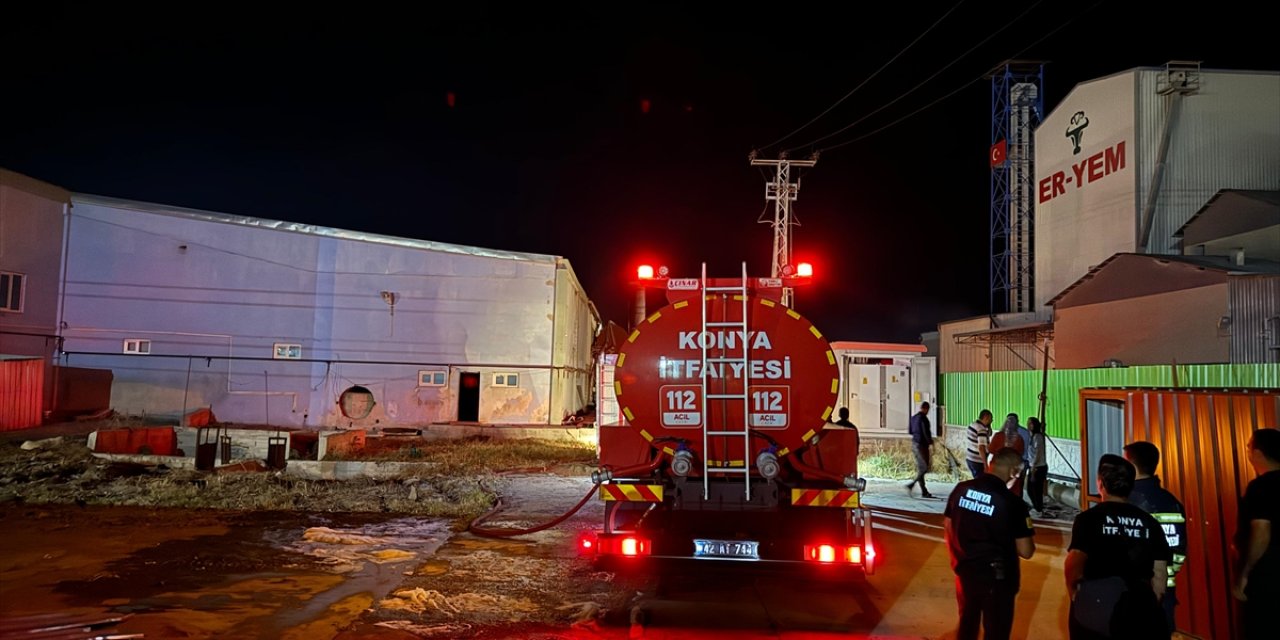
[11, 291]
[506, 380]
[284, 351]
[137, 346]
[431, 378]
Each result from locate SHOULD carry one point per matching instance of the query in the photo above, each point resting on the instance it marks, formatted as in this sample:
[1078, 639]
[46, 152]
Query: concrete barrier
[352, 469]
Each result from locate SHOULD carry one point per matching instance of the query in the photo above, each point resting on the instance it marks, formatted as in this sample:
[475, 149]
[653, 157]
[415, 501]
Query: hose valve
[682, 462]
[767, 463]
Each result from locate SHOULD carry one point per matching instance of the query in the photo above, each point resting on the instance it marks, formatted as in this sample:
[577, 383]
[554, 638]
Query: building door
[863, 382]
[895, 397]
[924, 388]
[1104, 433]
[469, 397]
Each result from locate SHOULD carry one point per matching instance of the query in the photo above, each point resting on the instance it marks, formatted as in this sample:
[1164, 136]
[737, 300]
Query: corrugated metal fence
[965, 394]
[1203, 438]
[21, 393]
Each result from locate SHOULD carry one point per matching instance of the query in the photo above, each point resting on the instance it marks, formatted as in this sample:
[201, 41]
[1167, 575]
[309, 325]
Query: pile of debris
[584, 417]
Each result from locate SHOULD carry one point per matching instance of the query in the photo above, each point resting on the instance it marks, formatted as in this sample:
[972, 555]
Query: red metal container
[1203, 437]
[21, 393]
[158, 441]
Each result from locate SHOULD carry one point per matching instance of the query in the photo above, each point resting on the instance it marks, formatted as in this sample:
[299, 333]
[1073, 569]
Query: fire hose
[476, 528]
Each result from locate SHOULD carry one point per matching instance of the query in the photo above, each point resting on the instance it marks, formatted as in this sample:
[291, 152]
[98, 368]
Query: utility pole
[782, 191]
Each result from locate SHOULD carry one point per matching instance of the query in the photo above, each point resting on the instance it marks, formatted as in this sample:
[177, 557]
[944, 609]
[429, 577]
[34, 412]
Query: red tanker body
[727, 452]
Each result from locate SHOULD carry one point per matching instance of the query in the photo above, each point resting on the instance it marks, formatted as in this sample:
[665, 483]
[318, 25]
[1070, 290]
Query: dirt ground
[254, 555]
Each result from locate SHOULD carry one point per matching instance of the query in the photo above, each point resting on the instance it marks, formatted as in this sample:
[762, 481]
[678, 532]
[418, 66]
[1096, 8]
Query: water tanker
[725, 451]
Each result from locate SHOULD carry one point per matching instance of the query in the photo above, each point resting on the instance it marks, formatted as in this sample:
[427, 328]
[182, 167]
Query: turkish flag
[999, 152]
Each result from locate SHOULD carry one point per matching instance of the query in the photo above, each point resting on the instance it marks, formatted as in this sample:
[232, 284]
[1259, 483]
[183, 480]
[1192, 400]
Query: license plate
[741, 549]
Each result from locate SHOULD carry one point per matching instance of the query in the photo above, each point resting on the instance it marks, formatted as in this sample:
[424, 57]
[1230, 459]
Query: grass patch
[893, 460]
[67, 473]
[483, 455]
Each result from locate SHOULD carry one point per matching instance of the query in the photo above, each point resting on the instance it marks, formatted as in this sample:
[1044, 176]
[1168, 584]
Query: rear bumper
[665, 565]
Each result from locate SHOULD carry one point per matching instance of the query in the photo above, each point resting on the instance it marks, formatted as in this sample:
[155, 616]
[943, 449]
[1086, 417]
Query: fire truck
[725, 451]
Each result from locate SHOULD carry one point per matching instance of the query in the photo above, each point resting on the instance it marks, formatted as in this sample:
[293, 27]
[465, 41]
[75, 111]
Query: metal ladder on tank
[745, 361]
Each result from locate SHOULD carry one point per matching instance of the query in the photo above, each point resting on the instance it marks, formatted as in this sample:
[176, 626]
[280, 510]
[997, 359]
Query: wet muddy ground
[218, 574]
[192, 574]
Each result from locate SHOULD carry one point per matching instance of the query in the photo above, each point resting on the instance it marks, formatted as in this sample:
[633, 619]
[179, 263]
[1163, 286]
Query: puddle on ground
[258, 575]
[373, 558]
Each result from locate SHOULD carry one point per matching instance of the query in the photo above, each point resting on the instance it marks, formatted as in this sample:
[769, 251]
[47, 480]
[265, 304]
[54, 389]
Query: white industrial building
[1124, 161]
[266, 321]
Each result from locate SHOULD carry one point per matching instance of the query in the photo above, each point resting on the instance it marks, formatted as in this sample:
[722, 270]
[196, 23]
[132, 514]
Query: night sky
[605, 133]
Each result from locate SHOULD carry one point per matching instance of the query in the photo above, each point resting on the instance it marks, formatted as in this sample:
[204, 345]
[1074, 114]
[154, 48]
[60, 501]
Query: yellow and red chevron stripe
[631, 492]
[843, 498]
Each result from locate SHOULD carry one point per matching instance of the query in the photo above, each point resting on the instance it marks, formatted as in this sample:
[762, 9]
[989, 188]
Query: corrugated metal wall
[1203, 439]
[1255, 318]
[965, 394]
[1016, 357]
[1222, 138]
[21, 393]
[966, 356]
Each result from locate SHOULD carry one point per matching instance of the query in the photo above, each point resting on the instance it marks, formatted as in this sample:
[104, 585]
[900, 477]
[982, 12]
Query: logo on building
[1075, 130]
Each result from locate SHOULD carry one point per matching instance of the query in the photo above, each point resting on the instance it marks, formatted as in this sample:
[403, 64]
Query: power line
[868, 79]
[923, 82]
[965, 85]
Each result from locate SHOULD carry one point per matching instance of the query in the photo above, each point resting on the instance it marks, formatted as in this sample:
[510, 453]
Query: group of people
[1125, 553]
[1028, 441]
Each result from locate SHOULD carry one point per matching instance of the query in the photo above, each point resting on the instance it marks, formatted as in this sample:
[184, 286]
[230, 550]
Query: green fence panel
[1004, 392]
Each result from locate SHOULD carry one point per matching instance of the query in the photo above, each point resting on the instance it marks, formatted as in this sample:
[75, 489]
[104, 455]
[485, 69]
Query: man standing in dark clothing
[1149, 496]
[988, 529]
[844, 419]
[1116, 566]
[921, 442]
[844, 423]
[1258, 584]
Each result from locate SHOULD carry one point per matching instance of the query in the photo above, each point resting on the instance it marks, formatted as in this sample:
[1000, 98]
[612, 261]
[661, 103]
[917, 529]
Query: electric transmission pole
[782, 191]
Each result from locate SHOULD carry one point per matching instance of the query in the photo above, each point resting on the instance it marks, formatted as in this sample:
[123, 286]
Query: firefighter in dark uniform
[1116, 564]
[988, 528]
[1166, 509]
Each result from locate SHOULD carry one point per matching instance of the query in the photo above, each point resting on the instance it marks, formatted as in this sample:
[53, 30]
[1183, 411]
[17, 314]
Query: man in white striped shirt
[977, 436]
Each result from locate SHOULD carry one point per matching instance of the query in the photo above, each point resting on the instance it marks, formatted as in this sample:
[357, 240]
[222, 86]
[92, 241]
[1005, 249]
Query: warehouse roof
[310, 229]
[1131, 275]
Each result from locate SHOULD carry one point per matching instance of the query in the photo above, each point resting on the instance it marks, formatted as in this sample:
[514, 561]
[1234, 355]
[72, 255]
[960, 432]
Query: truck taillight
[804, 270]
[630, 546]
[644, 272]
[855, 555]
[832, 554]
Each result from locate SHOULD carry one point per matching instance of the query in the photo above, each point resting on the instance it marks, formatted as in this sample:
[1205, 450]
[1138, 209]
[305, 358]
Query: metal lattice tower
[1017, 105]
[782, 191]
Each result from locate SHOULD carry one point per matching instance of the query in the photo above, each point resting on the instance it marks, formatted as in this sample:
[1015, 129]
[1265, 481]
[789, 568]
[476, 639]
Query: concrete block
[351, 469]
